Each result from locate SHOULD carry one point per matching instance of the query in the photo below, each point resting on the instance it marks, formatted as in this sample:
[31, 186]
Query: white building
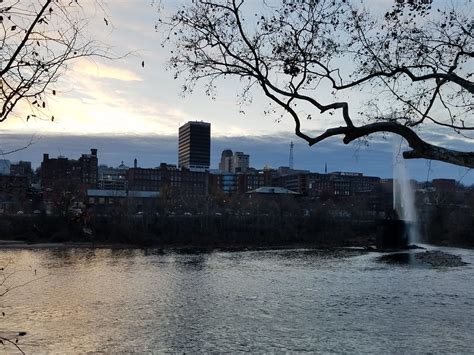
[240, 162]
[237, 162]
[5, 167]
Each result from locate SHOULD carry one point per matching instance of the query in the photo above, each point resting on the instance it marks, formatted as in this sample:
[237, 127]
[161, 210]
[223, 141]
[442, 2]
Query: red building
[444, 184]
[65, 181]
[340, 184]
[83, 171]
[169, 179]
[13, 193]
[238, 183]
[297, 182]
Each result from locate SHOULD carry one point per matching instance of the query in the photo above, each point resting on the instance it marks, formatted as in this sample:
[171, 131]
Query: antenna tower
[291, 156]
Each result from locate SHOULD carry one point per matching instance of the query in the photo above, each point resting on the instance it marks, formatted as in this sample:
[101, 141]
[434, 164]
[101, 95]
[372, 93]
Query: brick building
[297, 182]
[22, 168]
[65, 181]
[13, 193]
[183, 182]
[83, 171]
[340, 184]
[446, 185]
[238, 183]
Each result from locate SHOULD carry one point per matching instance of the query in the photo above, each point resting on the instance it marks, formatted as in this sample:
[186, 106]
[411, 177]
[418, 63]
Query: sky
[128, 111]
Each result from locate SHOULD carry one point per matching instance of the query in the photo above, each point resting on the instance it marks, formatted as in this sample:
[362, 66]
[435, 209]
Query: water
[404, 196]
[294, 300]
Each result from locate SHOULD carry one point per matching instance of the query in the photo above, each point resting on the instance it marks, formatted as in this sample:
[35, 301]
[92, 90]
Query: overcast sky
[127, 111]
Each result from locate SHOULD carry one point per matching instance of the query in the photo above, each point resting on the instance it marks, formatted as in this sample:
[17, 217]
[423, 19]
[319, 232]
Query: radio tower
[291, 156]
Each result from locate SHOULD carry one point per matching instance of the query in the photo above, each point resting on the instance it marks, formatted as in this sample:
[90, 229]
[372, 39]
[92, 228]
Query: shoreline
[207, 234]
[17, 244]
[193, 248]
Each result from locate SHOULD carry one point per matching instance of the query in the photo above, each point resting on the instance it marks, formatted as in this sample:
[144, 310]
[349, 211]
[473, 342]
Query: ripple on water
[303, 300]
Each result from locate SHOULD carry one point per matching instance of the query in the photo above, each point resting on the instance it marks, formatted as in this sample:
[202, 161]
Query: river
[85, 300]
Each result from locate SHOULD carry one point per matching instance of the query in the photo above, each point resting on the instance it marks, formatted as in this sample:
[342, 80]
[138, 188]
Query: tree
[8, 284]
[412, 66]
[63, 195]
[38, 39]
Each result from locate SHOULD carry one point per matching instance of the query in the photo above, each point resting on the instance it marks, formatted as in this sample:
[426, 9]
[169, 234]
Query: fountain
[404, 197]
[399, 230]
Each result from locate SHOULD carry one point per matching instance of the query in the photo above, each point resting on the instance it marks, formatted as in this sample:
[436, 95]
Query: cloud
[273, 150]
[135, 112]
[103, 71]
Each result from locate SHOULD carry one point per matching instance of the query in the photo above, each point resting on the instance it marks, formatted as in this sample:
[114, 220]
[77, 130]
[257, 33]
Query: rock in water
[439, 258]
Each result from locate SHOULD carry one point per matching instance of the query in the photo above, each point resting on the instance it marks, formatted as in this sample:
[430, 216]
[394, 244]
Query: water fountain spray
[404, 195]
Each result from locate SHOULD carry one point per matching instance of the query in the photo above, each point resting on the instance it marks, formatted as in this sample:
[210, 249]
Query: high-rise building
[195, 146]
[240, 162]
[226, 161]
[237, 162]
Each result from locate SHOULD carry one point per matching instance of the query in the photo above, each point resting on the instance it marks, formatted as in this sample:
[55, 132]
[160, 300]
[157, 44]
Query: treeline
[450, 226]
[443, 223]
[198, 231]
[447, 218]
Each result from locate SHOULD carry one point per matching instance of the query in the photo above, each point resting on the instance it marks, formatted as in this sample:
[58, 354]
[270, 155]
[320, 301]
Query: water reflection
[192, 262]
[253, 301]
[403, 259]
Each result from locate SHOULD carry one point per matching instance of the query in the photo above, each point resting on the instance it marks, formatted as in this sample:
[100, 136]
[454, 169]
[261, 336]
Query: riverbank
[17, 244]
[196, 232]
[228, 232]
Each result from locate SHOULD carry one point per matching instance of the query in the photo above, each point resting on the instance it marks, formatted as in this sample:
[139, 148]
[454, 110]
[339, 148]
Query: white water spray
[403, 195]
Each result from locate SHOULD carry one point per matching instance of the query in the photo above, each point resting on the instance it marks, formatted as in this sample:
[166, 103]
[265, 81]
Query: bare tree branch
[38, 39]
[416, 63]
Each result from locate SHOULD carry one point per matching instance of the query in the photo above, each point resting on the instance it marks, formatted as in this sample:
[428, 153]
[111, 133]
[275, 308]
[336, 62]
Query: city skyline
[136, 107]
[237, 176]
[271, 151]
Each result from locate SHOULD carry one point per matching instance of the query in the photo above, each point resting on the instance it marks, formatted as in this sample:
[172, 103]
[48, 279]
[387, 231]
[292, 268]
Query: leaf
[143, 64]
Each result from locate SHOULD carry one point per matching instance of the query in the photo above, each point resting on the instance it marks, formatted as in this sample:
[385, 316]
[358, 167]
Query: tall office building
[226, 161]
[237, 162]
[240, 162]
[195, 146]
